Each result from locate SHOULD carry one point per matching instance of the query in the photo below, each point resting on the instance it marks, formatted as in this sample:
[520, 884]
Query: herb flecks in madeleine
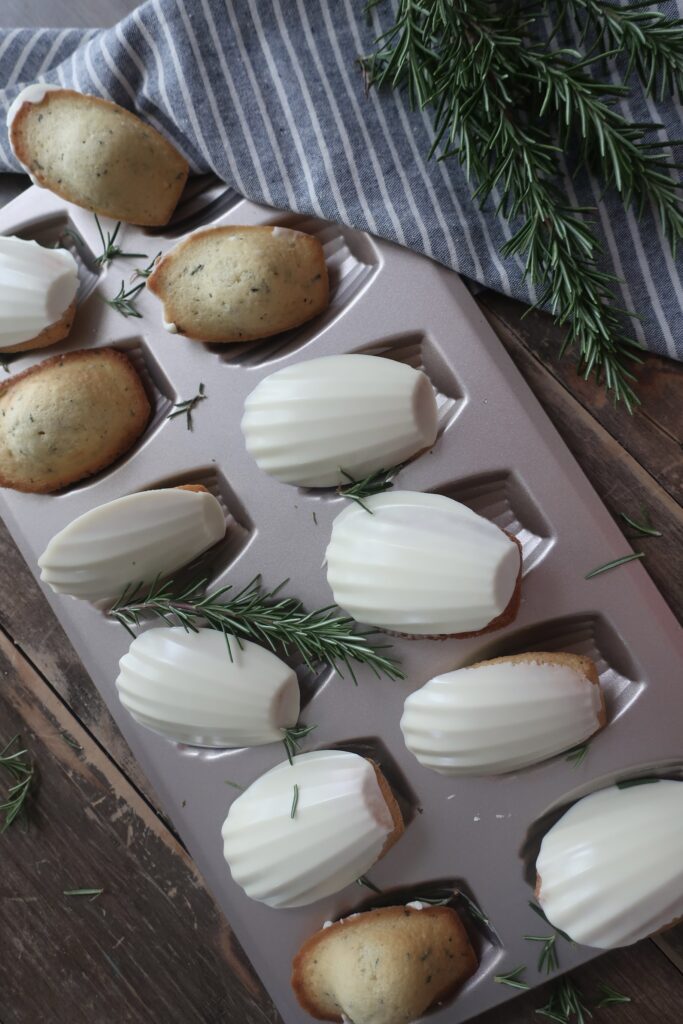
[385, 966]
[288, 846]
[38, 289]
[501, 715]
[96, 154]
[231, 284]
[423, 565]
[69, 417]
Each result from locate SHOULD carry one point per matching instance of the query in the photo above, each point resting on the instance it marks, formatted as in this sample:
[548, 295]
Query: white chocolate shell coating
[131, 540]
[495, 718]
[307, 422]
[420, 564]
[339, 829]
[611, 869]
[38, 285]
[190, 687]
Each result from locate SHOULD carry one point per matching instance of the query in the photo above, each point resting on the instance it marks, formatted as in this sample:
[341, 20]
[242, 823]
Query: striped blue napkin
[268, 94]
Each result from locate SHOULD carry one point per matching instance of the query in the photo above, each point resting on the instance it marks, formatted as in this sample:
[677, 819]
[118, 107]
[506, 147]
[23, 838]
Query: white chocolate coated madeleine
[385, 966]
[289, 850]
[309, 422]
[131, 540]
[422, 564]
[503, 714]
[192, 688]
[38, 289]
[610, 871]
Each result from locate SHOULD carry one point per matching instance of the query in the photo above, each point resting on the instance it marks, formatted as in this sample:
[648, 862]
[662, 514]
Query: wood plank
[153, 947]
[622, 483]
[654, 433]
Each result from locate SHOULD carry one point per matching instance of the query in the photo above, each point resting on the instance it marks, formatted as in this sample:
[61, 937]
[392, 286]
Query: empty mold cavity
[418, 350]
[57, 231]
[374, 749]
[205, 198]
[239, 529]
[502, 498]
[449, 892]
[590, 635]
[351, 260]
[161, 397]
[545, 821]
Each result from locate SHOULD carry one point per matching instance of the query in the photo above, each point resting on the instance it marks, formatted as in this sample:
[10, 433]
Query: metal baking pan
[496, 452]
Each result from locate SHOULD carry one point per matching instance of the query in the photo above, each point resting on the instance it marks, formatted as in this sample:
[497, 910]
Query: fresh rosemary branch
[505, 104]
[112, 251]
[292, 739]
[92, 893]
[512, 978]
[577, 755]
[610, 996]
[547, 960]
[253, 614]
[565, 1004]
[22, 771]
[295, 801]
[646, 527]
[614, 564]
[377, 482]
[187, 407]
[124, 301]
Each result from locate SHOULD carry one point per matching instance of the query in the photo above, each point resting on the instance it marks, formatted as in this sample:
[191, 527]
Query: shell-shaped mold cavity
[38, 286]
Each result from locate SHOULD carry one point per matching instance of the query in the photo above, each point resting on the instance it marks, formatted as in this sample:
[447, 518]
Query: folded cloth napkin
[271, 98]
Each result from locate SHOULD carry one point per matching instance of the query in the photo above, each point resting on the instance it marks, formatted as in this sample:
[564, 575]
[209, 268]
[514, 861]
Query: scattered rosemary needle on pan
[512, 978]
[295, 801]
[577, 755]
[235, 785]
[610, 996]
[365, 881]
[474, 909]
[187, 407]
[254, 614]
[124, 301]
[112, 251]
[22, 771]
[614, 564]
[292, 739]
[537, 910]
[547, 960]
[646, 527]
[92, 893]
[375, 483]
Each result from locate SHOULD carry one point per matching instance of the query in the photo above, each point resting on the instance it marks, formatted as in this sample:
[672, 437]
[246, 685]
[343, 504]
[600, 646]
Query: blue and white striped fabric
[269, 96]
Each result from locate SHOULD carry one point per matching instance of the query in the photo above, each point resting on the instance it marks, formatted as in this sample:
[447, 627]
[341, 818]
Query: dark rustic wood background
[154, 949]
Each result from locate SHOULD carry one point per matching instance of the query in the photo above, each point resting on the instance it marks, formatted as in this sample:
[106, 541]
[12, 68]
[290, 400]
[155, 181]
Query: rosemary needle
[377, 482]
[365, 881]
[93, 893]
[614, 564]
[292, 739]
[547, 960]
[124, 300]
[610, 996]
[22, 771]
[295, 801]
[577, 755]
[235, 785]
[512, 978]
[646, 527]
[112, 251]
[187, 407]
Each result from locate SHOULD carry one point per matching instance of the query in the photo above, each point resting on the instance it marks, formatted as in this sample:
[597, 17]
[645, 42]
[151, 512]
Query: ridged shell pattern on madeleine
[288, 847]
[610, 871]
[503, 714]
[96, 154]
[38, 286]
[192, 688]
[235, 283]
[421, 564]
[130, 540]
[312, 422]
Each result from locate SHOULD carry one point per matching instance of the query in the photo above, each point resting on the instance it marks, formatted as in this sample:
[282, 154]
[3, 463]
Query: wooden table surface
[154, 948]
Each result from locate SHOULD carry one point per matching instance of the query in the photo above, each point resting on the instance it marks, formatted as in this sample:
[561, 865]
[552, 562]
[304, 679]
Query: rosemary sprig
[253, 614]
[187, 407]
[512, 978]
[577, 755]
[92, 893]
[614, 564]
[295, 801]
[646, 527]
[292, 739]
[547, 959]
[22, 771]
[145, 272]
[610, 996]
[566, 1003]
[365, 881]
[377, 482]
[124, 301]
[505, 105]
[112, 251]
